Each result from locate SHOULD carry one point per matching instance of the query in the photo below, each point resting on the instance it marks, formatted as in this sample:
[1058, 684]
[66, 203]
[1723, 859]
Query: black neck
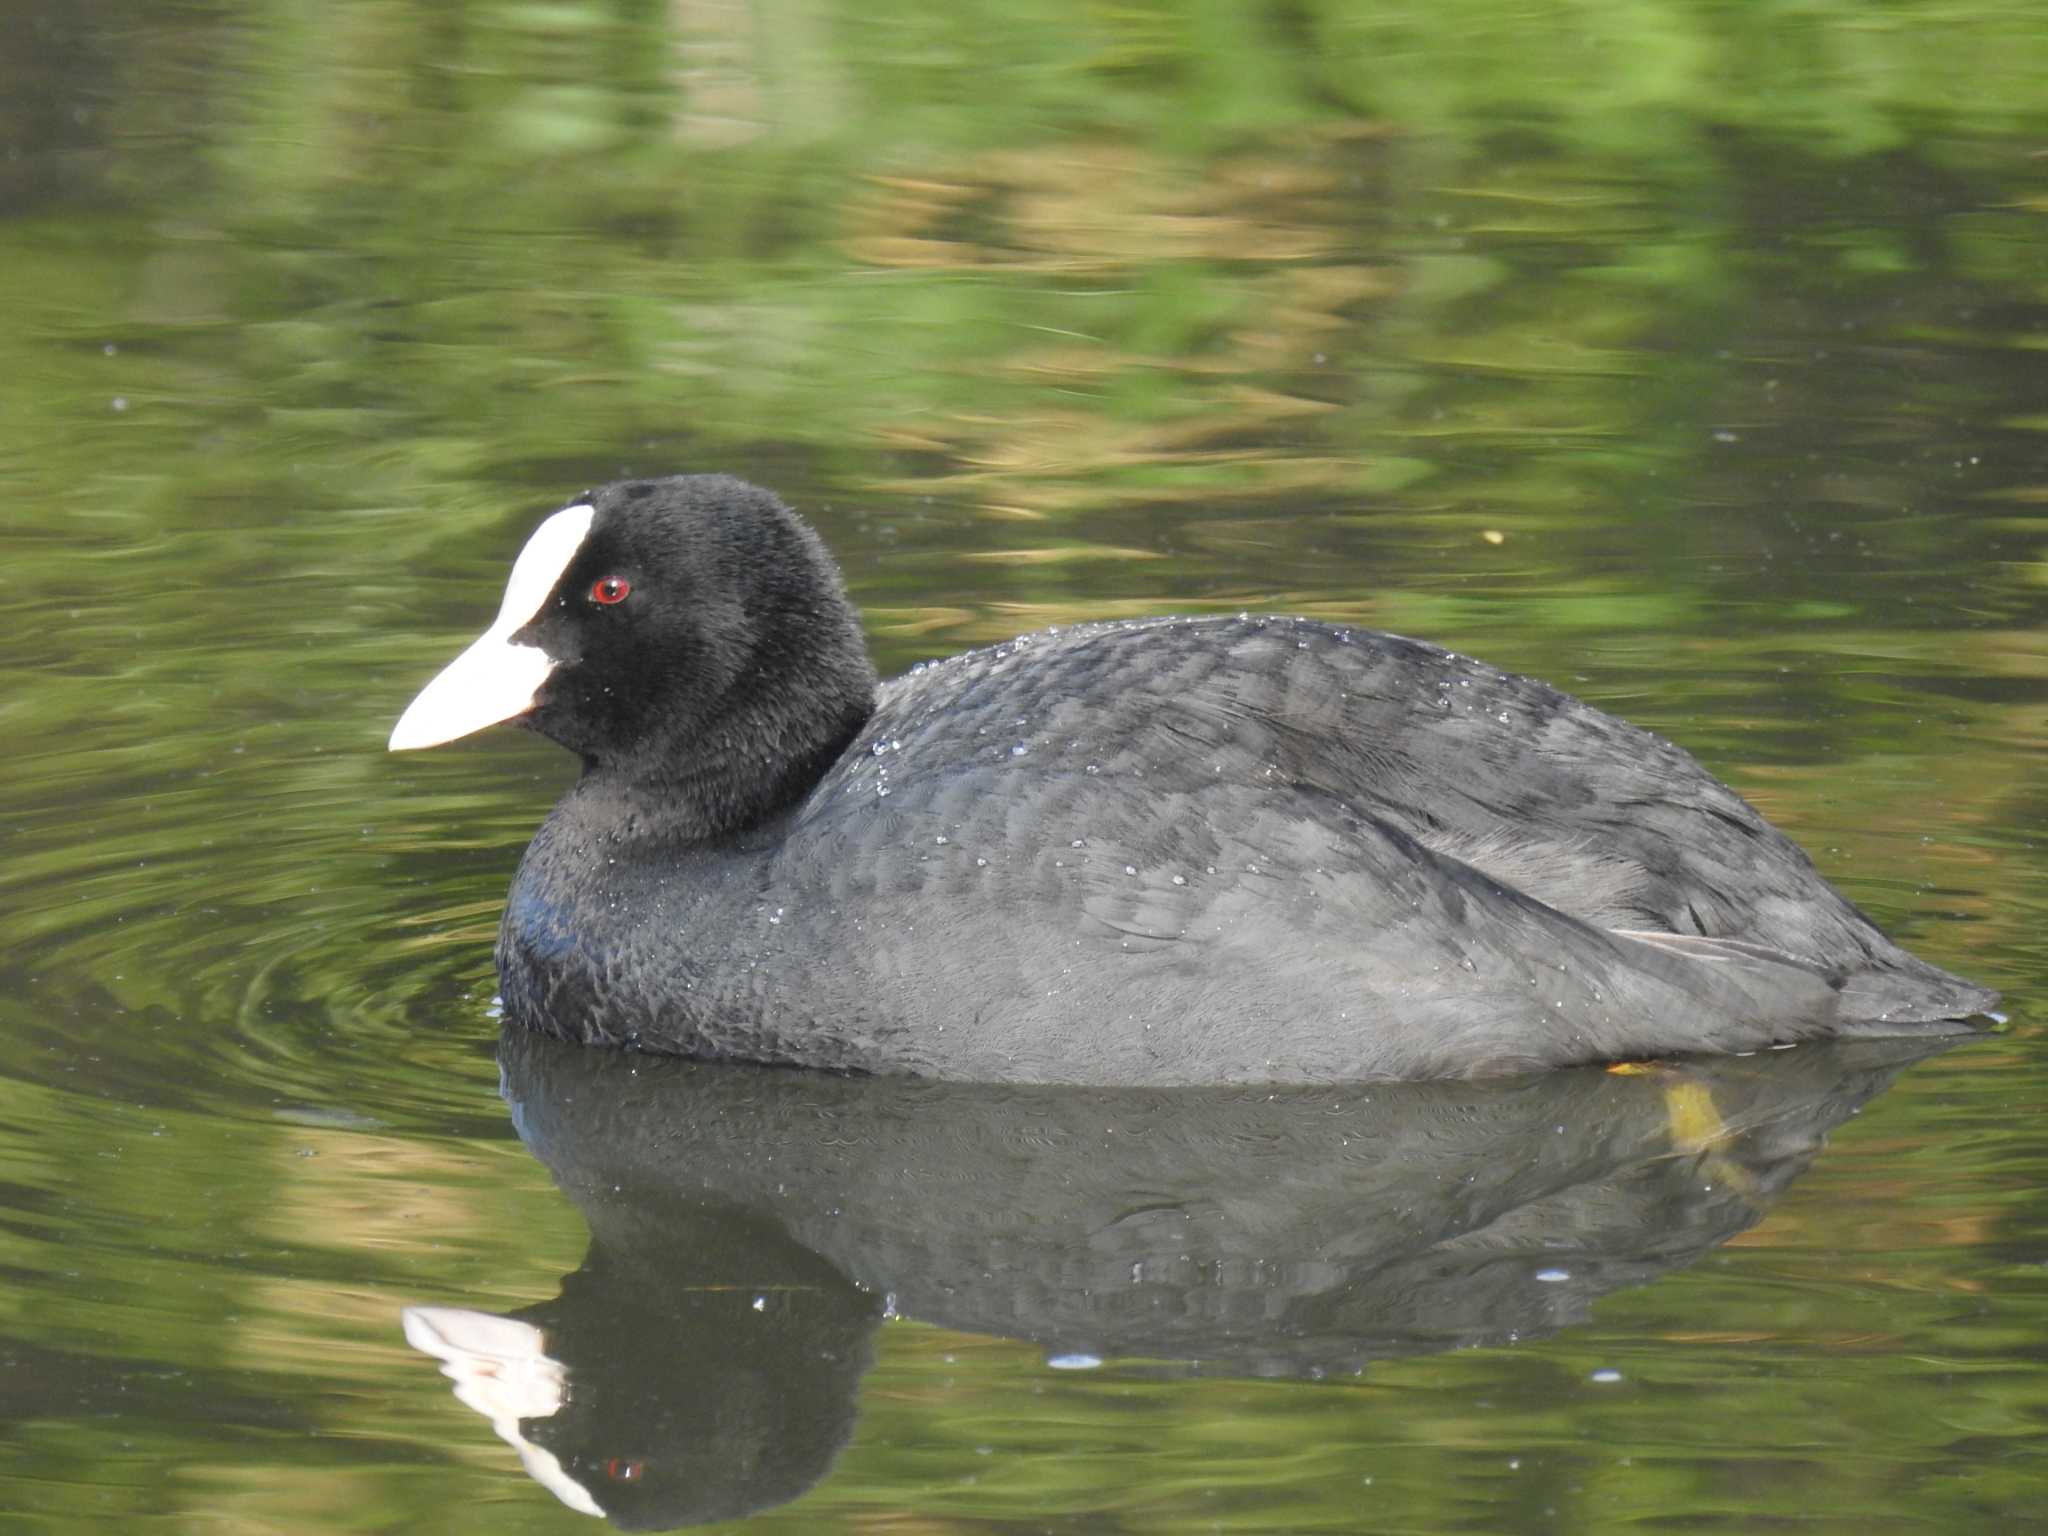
[730, 776]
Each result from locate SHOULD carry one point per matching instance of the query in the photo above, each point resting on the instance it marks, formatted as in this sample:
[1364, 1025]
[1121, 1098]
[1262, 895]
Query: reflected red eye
[619, 1470]
[610, 589]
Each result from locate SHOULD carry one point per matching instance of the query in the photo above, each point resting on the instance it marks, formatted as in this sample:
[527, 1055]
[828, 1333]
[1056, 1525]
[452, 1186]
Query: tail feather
[1910, 991]
[1897, 991]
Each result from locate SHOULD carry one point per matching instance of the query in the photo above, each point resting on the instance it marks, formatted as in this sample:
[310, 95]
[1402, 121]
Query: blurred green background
[1687, 354]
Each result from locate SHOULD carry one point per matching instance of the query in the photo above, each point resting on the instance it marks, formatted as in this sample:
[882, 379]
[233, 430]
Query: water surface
[1687, 357]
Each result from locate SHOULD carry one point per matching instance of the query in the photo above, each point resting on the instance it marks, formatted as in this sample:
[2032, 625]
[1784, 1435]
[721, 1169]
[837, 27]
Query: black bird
[1192, 850]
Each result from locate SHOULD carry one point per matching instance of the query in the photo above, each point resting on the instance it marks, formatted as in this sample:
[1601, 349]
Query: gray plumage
[1173, 851]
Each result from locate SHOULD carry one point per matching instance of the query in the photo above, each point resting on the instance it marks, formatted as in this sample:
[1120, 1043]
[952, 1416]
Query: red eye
[610, 589]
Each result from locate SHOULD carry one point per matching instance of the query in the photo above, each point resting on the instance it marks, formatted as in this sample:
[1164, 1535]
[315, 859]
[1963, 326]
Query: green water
[1692, 356]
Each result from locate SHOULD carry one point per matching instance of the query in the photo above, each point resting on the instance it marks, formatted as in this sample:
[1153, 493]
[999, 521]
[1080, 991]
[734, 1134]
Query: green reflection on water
[1685, 355]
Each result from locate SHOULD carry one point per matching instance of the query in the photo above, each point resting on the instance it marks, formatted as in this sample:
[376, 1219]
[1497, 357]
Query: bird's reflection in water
[749, 1227]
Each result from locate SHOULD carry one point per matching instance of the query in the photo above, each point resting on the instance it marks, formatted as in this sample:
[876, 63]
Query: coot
[1191, 850]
